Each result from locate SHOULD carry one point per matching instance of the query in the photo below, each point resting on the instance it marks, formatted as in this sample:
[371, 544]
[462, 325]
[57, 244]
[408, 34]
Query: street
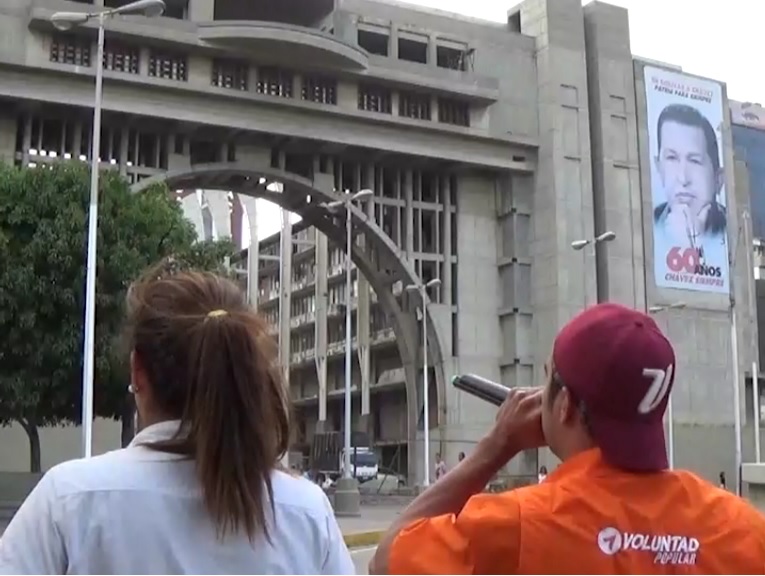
[361, 558]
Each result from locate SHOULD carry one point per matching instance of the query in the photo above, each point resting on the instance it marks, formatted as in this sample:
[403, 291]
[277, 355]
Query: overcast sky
[720, 40]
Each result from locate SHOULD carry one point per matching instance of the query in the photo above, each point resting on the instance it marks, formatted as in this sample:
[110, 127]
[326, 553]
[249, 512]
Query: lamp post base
[347, 497]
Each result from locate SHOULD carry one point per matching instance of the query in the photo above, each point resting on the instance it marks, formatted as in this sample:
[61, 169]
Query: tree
[43, 215]
[112, 400]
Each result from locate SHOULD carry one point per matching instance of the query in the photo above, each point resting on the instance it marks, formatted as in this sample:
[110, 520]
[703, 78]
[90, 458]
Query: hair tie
[217, 313]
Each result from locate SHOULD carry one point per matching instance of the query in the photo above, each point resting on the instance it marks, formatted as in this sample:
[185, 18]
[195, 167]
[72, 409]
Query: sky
[715, 39]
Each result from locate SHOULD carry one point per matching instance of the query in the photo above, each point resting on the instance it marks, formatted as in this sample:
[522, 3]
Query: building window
[168, 65]
[178, 9]
[275, 82]
[375, 99]
[414, 105]
[204, 152]
[319, 89]
[121, 57]
[70, 50]
[452, 58]
[230, 74]
[374, 42]
[453, 112]
[413, 50]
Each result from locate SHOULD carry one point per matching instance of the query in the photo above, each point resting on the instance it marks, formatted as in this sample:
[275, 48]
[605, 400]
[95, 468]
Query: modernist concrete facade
[489, 147]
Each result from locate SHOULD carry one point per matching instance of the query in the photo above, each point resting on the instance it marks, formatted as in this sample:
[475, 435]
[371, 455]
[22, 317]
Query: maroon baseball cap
[618, 363]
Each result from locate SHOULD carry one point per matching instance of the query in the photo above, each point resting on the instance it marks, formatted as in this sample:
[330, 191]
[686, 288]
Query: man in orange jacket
[612, 506]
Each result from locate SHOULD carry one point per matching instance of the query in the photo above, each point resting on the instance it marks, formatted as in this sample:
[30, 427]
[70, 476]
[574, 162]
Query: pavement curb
[362, 539]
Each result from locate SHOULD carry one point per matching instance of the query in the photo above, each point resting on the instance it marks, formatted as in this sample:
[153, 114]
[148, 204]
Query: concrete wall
[58, 444]
[479, 346]
[615, 159]
[562, 281]
[502, 58]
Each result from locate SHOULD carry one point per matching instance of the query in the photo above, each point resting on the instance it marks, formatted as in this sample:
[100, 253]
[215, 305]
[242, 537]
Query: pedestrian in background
[723, 483]
[440, 467]
[198, 491]
[542, 474]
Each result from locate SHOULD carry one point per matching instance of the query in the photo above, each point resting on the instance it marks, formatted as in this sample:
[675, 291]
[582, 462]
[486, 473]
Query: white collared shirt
[137, 511]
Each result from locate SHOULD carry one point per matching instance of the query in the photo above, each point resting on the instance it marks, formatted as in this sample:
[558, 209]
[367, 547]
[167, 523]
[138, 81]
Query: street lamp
[670, 414]
[423, 291]
[751, 288]
[605, 237]
[662, 308]
[347, 498]
[579, 245]
[66, 21]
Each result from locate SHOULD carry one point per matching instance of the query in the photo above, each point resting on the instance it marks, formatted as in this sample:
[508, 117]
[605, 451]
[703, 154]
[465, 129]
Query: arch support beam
[378, 259]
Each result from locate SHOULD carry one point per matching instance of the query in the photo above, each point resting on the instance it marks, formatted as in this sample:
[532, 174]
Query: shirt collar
[582, 463]
[156, 433]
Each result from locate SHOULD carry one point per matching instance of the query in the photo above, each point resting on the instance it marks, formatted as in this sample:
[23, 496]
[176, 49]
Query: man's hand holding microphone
[518, 427]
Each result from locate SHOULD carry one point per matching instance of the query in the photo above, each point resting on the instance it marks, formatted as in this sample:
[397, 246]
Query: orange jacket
[590, 518]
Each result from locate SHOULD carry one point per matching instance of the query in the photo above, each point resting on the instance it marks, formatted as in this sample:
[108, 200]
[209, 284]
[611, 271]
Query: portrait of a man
[688, 167]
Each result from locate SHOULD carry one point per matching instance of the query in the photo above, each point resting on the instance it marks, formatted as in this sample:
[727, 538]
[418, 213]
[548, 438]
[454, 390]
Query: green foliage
[43, 229]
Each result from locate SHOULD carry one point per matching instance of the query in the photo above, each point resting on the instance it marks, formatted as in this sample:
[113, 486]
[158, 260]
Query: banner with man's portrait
[690, 217]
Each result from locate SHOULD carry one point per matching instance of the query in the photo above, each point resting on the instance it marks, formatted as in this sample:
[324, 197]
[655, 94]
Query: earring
[131, 389]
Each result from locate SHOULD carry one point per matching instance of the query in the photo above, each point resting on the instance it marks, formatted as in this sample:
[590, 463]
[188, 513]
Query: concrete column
[27, 139]
[217, 200]
[8, 138]
[432, 51]
[395, 103]
[393, 47]
[237, 221]
[76, 142]
[615, 155]
[253, 250]
[363, 319]
[143, 62]
[324, 182]
[563, 203]
[124, 147]
[409, 211]
[201, 10]
[285, 296]
[321, 322]
[446, 285]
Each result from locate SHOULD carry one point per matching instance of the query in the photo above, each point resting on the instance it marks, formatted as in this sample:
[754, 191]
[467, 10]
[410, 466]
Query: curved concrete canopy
[381, 266]
[285, 43]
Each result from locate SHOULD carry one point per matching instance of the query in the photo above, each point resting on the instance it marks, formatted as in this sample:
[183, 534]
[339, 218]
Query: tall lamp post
[422, 289]
[347, 497]
[66, 21]
[751, 288]
[670, 413]
[580, 245]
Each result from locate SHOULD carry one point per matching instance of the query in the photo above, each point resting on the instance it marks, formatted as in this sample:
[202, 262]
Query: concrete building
[490, 148]
[749, 142]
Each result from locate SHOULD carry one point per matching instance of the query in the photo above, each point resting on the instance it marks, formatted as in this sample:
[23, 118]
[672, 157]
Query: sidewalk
[367, 529]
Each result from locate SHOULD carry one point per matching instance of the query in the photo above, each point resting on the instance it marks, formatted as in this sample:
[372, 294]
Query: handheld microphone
[488, 391]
